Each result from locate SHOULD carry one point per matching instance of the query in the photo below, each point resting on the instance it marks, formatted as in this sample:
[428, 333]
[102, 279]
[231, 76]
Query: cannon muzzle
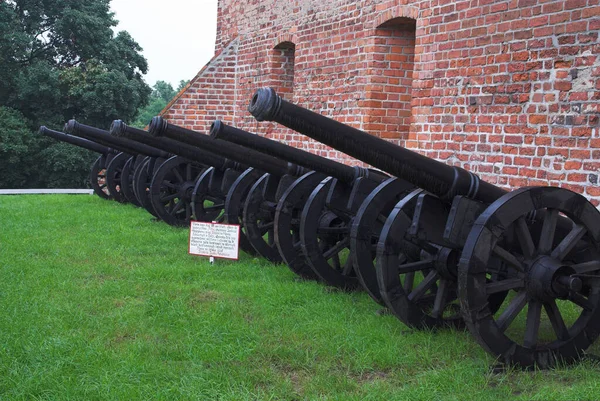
[160, 127]
[74, 140]
[436, 177]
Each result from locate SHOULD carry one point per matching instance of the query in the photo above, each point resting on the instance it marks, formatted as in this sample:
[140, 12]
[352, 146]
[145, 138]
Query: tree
[182, 84]
[162, 94]
[15, 140]
[60, 59]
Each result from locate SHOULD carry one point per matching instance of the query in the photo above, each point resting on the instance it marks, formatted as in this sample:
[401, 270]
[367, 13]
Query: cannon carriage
[330, 196]
[249, 199]
[520, 269]
[433, 243]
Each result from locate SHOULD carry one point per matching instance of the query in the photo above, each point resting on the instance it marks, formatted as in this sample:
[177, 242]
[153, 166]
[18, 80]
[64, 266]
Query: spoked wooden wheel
[171, 190]
[142, 178]
[127, 179]
[113, 176]
[259, 220]
[207, 205]
[234, 205]
[98, 177]
[287, 223]
[547, 240]
[415, 286]
[366, 229]
[325, 236]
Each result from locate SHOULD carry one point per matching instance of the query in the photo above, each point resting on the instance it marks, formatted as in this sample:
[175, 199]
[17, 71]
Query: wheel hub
[186, 190]
[548, 279]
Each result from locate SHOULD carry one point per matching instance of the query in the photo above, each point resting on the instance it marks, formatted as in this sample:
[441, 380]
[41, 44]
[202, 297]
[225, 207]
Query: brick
[479, 82]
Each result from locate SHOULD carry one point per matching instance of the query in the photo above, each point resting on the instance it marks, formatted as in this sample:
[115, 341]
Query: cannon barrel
[331, 168]
[160, 127]
[436, 177]
[121, 130]
[121, 144]
[74, 140]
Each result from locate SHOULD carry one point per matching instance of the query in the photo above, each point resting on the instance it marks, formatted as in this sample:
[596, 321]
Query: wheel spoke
[565, 246]
[334, 250]
[414, 267]
[214, 207]
[532, 328]
[332, 230]
[580, 300]
[263, 228]
[556, 319]
[178, 174]
[548, 230]
[409, 281]
[188, 172]
[423, 286]
[504, 285]
[178, 206]
[336, 262]
[440, 299]
[524, 235]
[512, 310]
[297, 246]
[169, 184]
[188, 211]
[587, 267]
[508, 257]
[271, 238]
[168, 198]
[348, 267]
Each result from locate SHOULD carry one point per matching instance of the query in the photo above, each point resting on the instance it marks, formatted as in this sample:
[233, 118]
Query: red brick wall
[507, 89]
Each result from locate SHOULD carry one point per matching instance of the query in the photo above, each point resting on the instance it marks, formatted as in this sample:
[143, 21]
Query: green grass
[99, 302]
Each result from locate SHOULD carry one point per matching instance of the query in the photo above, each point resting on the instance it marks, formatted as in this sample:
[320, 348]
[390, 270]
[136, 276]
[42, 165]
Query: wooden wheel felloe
[208, 204]
[366, 229]
[234, 205]
[259, 219]
[414, 283]
[547, 242]
[114, 171]
[171, 190]
[325, 236]
[127, 180]
[142, 178]
[98, 177]
[287, 223]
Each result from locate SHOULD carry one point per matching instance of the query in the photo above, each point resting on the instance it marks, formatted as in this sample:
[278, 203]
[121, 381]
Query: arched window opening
[282, 69]
[389, 76]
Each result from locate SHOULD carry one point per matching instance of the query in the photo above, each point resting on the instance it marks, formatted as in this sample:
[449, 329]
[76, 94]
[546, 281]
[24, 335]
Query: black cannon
[250, 199]
[462, 251]
[98, 169]
[181, 200]
[331, 194]
[119, 184]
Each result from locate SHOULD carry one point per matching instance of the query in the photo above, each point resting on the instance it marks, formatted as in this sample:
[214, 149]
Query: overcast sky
[178, 36]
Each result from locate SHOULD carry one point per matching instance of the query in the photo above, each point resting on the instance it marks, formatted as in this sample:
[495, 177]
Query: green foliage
[182, 85]
[60, 59]
[162, 94]
[15, 141]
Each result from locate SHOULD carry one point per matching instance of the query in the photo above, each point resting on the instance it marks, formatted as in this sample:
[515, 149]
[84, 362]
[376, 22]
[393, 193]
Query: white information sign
[213, 239]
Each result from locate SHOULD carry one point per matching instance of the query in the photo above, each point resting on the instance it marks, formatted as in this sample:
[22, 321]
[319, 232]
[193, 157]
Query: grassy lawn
[100, 302]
